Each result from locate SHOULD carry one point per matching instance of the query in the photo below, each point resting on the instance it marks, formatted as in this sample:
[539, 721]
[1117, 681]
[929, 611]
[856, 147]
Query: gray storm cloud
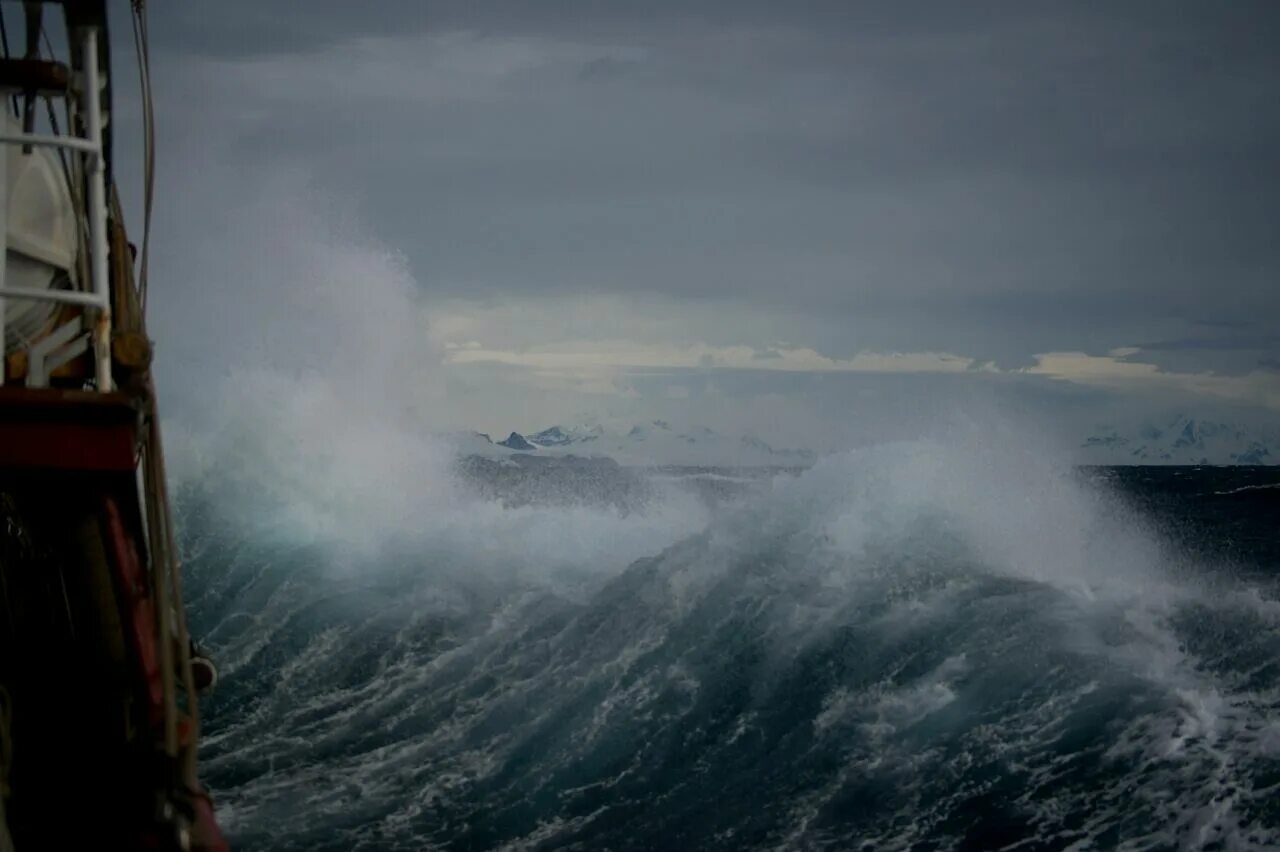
[993, 182]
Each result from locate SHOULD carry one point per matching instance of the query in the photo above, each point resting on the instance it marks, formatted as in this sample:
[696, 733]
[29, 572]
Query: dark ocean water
[897, 649]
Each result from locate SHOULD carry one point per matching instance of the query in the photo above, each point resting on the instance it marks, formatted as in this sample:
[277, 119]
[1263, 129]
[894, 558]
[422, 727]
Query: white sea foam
[973, 555]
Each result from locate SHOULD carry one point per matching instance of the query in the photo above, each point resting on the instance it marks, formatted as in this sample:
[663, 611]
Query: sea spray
[910, 642]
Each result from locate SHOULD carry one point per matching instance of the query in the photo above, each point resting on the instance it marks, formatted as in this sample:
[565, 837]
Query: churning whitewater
[910, 646]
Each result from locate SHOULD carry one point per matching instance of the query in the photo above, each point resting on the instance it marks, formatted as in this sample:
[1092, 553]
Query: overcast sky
[723, 210]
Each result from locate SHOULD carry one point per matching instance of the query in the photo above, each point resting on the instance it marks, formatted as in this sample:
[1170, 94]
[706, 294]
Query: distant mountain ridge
[559, 436]
[1184, 440]
[1175, 440]
[653, 443]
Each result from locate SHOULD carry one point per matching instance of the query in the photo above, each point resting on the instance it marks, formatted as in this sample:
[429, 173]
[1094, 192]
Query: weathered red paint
[52, 429]
[205, 834]
[137, 609]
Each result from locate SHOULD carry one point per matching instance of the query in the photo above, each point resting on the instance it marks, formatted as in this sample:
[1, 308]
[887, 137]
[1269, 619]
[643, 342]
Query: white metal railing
[98, 296]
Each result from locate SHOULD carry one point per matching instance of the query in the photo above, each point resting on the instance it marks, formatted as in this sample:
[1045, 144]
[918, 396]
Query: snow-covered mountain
[652, 443]
[1184, 440]
[561, 436]
[1174, 440]
[516, 441]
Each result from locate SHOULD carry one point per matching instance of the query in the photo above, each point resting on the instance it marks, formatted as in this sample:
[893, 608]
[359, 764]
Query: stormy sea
[906, 646]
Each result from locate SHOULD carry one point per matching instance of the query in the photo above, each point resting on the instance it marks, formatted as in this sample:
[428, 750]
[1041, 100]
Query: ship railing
[69, 344]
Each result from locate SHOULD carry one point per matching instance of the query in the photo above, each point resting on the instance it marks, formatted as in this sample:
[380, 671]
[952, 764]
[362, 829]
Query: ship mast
[81, 459]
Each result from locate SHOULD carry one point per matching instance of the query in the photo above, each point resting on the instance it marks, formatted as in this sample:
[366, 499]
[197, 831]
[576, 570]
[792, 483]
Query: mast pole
[97, 212]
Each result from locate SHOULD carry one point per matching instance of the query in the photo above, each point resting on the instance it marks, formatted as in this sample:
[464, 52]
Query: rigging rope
[172, 614]
[141, 49]
[4, 43]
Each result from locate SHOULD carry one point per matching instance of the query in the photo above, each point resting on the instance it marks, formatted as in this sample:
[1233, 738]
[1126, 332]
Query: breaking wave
[914, 643]
[938, 644]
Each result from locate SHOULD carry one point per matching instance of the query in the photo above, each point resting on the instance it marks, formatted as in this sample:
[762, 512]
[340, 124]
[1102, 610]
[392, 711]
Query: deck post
[97, 211]
[4, 253]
